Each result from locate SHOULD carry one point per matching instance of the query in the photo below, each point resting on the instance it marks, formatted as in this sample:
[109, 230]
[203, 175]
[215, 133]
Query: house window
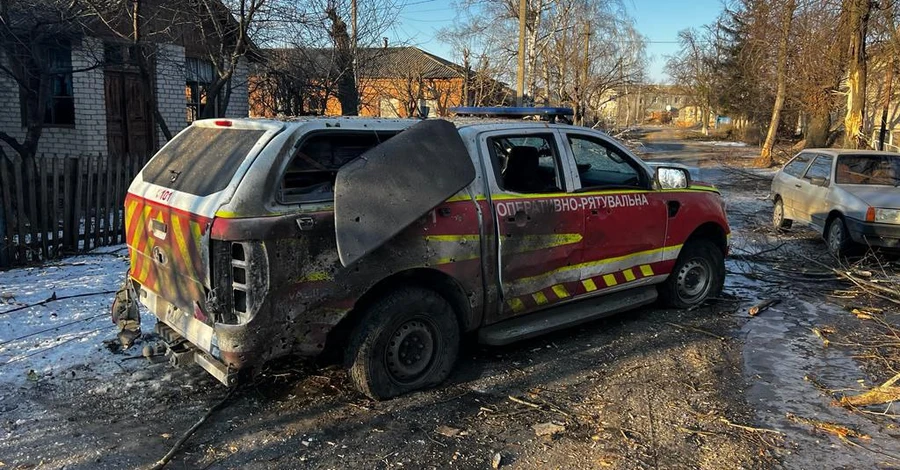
[59, 110]
[199, 76]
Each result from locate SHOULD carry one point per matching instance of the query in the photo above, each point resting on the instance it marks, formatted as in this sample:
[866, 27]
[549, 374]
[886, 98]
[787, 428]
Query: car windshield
[868, 169]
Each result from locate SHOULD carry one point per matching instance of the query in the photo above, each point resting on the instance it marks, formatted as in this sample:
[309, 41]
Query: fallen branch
[875, 396]
[190, 432]
[762, 306]
[697, 330]
[842, 432]
[54, 298]
[749, 428]
[539, 406]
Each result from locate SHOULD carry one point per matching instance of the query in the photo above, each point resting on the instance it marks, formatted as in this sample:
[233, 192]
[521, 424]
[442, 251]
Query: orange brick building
[392, 82]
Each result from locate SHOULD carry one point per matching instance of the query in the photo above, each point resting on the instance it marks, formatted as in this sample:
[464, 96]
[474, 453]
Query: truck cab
[389, 240]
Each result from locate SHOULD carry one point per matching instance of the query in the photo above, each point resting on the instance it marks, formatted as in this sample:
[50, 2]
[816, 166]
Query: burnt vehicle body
[391, 238]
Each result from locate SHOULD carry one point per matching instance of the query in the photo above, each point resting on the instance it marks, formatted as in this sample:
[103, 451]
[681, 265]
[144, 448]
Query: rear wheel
[837, 238]
[778, 220]
[407, 340]
[698, 275]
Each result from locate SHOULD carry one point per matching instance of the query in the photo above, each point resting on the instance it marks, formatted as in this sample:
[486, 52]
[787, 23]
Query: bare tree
[693, 69]
[787, 17]
[855, 21]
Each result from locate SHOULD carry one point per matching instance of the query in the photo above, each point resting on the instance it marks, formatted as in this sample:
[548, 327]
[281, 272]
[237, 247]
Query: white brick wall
[88, 136]
[170, 80]
[239, 104]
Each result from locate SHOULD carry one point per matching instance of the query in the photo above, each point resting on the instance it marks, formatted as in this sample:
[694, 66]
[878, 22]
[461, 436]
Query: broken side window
[310, 175]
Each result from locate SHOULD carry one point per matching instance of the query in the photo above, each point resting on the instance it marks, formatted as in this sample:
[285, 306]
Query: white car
[849, 196]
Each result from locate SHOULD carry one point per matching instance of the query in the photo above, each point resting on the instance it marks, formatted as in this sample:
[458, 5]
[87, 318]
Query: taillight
[239, 277]
[249, 278]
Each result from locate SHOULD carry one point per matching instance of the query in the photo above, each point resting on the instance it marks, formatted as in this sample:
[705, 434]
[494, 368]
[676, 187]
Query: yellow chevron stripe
[181, 243]
[598, 263]
[516, 304]
[539, 297]
[610, 280]
[629, 275]
[646, 270]
[560, 291]
[589, 285]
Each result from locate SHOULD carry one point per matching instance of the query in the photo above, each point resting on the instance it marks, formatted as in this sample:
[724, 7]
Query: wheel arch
[442, 283]
[712, 231]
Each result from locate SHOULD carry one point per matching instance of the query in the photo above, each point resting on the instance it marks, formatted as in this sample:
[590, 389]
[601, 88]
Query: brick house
[392, 82]
[97, 104]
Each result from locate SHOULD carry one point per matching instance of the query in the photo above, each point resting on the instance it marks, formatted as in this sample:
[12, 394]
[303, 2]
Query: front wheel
[698, 275]
[837, 237]
[407, 340]
[778, 220]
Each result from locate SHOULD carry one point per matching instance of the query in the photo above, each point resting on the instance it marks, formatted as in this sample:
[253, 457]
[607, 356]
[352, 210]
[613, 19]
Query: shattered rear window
[201, 160]
[311, 173]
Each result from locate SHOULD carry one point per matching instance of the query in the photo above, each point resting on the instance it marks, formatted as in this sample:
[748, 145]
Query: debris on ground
[447, 431]
[762, 306]
[842, 432]
[548, 429]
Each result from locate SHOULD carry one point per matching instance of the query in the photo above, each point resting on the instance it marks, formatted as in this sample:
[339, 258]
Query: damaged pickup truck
[389, 240]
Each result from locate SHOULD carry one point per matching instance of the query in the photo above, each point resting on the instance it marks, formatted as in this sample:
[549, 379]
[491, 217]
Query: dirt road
[709, 388]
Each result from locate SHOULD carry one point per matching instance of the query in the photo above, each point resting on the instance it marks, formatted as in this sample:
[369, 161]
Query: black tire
[837, 237]
[406, 321]
[698, 275]
[778, 220]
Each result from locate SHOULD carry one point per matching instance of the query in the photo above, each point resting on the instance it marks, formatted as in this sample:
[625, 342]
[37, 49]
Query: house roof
[377, 62]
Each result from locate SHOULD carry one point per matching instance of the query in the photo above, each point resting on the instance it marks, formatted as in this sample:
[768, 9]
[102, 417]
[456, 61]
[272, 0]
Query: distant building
[641, 104]
[392, 82]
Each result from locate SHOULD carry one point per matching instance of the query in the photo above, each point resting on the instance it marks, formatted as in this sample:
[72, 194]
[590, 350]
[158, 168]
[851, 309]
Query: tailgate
[172, 201]
[169, 251]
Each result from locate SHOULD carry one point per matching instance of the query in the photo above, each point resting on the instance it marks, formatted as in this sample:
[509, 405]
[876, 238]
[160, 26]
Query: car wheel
[698, 275]
[407, 340]
[837, 238]
[778, 220]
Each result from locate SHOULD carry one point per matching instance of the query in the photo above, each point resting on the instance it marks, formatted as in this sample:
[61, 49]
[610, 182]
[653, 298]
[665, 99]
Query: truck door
[625, 219]
[539, 228]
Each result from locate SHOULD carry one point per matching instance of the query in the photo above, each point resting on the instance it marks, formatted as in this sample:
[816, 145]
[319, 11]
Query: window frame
[802, 172]
[562, 173]
[66, 72]
[199, 98]
[646, 182]
[812, 162]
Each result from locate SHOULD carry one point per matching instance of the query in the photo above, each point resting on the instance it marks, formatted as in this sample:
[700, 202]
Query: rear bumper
[873, 234]
[221, 353]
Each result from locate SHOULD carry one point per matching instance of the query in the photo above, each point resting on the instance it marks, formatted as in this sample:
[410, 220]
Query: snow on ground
[46, 340]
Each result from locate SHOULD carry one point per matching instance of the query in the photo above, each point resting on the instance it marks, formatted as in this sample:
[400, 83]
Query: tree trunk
[818, 123]
[888, 85]
[857, 12]
[765, 156]
[531, 70]
[347, 93]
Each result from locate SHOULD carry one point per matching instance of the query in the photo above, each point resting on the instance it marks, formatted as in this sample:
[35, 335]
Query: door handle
[673, 207]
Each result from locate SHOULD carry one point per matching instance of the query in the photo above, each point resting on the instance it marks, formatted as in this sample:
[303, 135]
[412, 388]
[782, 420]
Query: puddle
[779, 351]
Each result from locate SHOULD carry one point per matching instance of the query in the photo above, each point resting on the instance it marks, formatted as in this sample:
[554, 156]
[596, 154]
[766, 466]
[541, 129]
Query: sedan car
[849, 196]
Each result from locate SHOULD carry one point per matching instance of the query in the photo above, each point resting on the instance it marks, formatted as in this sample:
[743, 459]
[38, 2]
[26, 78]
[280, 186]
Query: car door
[625, 219]
[538, 225]
[810, 200]
[788, 183]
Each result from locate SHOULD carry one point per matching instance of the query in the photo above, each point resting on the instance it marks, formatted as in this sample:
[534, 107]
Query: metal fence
[51, 207]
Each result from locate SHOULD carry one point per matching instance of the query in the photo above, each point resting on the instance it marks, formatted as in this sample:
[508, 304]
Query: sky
[658, 20]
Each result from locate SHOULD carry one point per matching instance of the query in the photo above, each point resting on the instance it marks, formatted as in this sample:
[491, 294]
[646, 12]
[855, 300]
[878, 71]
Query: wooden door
[129, 124]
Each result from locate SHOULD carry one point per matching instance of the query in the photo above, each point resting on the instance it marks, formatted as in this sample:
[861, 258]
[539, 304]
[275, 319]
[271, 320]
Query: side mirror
[668, 177]
[818, 181]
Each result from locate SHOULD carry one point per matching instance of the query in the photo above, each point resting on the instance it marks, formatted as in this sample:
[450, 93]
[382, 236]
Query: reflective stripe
[539, 297]
[629, 275]
[516, 305]
[560, 291]
[589, 285]
[610, 280]
[646, 270]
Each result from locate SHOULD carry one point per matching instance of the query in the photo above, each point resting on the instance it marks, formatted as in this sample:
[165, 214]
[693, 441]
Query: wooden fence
[59, 206]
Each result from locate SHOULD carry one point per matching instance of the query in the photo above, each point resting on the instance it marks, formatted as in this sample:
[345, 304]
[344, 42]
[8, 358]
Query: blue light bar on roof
[504, 111]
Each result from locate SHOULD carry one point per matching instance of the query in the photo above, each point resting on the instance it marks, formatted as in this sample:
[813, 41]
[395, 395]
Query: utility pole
[586, 65]
[465, 100]
[353, 41]
[520, 74]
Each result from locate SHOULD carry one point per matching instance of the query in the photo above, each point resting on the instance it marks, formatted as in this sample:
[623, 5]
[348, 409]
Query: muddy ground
[709, 388]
